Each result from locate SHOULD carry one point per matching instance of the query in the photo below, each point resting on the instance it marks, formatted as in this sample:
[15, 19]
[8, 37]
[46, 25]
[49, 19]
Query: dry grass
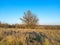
[14, 36]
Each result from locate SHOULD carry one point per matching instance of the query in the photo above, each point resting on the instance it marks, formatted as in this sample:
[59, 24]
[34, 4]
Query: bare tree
[29, 19]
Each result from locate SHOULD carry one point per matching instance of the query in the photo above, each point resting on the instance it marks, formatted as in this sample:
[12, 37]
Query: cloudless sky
[47, 11]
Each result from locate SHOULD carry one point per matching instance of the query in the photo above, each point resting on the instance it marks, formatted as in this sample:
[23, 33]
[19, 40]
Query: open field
[14, 36]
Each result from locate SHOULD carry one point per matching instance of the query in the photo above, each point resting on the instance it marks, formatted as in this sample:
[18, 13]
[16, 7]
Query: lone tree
[29, 19]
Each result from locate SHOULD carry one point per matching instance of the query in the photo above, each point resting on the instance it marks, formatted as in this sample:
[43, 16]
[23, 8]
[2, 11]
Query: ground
[14, 36]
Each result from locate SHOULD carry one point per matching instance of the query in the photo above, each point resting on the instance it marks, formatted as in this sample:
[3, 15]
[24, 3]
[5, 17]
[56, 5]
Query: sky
[47, 11]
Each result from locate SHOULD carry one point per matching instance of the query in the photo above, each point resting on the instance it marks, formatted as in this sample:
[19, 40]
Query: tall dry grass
[14, 36]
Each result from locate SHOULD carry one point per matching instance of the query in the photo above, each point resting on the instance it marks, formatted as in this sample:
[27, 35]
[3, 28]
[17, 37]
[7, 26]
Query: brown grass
[14, 36]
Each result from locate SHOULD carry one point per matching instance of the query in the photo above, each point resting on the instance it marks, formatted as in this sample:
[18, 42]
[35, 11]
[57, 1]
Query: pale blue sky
[48, 11]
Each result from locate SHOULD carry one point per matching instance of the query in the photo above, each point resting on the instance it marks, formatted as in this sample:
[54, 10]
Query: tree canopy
[29, 19]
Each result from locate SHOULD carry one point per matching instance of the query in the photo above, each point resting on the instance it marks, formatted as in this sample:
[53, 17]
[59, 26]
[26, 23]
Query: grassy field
[14, 36]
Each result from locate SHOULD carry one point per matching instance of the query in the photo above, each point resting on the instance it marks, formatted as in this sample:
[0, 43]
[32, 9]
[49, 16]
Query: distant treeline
[22, 26]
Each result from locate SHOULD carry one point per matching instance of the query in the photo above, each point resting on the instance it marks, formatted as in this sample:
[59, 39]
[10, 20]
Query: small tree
[29, 19]
[0, 22]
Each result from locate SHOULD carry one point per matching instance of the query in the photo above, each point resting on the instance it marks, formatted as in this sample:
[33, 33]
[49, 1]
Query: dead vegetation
[12, 36]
